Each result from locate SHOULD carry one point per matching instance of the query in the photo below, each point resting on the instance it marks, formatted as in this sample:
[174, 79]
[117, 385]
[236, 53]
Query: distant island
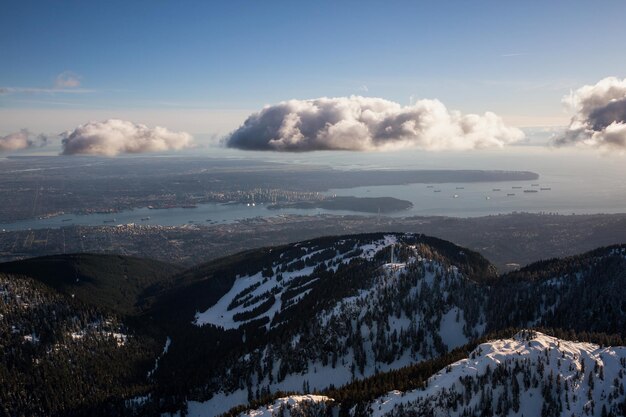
[360, 204]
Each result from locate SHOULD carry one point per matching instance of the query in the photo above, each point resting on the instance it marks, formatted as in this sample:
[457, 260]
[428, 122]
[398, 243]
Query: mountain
[121, 283]
[325, 312]
[294, 406]
[349, 317]
[62, 357]
[528, 374]
[278, 321]
[71, 334]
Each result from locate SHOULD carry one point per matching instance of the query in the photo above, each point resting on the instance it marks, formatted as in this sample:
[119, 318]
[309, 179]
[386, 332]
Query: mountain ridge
[373, 348]
[529, 373]
[118, 282]
[313, 315]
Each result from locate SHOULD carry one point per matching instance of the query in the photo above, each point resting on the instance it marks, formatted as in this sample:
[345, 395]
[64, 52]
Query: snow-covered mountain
[262, 295]
[341, 310]
[324, 313]
[530, 374]
[294, 406]
[349, 317]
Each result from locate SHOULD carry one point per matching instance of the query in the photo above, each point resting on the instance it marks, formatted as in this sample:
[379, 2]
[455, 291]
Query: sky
[204, 67]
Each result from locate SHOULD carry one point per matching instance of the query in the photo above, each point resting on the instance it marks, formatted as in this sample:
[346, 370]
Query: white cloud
[599, 120]
[20, 140]
[114, 136]
[361, 124]
[67, 79]
[15, 141]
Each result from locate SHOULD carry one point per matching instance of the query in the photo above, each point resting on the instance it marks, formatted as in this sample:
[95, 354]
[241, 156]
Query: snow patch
[286, 404]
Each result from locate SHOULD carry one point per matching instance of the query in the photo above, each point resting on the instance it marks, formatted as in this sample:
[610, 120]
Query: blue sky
[202, 66]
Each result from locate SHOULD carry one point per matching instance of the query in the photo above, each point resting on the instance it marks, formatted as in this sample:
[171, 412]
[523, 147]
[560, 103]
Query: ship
[496, 189]
[510, 194]
[545, 189]
[66, 220]
[437, 191]
[109, 221]
[531, 191]
[517, 187]
[143, 219]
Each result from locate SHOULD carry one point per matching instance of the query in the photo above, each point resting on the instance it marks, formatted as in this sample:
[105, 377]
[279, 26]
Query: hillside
[528, 374]
[350, 316]
[338, 309]
[120, 283]
[62, 357]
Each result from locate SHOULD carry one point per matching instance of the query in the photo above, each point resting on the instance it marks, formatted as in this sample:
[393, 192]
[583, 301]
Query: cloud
[599, 120]
[20, 140]
[361, 124]
[113, 137]
[66, 82]
[67, 79]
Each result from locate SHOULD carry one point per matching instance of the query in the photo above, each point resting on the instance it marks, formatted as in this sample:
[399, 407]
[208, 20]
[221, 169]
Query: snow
[318, 376]
[451, 331]
[31, 338]
[286, 403]
[370, 250]
[166, 348]
[558, 357]
[353, 309]
[120, 338]
[563, 358]
[137, 401]
[219, 314]
[219, 404]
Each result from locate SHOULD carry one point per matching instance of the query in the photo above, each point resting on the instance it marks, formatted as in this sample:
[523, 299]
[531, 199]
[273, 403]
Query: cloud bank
[361, 124]
[600, 116]
[113, 137]
[20, 140]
